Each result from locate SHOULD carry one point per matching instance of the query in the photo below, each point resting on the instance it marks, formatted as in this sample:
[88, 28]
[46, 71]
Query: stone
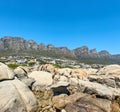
[62, 100]
[20, 72]
[63, 110]
[63, 78]
[60, 88]
[110, 70]
[106, 80]
[89, 104]
[91, 71]
[5, 72]
[65, 71]
[99, 89]
[79, 73]
[48, 68]
[42, 80]
[73, 81]
[28, 81]
[15, 96]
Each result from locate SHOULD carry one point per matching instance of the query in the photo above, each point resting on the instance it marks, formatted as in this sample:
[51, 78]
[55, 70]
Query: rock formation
[16, 45]
[50, 89]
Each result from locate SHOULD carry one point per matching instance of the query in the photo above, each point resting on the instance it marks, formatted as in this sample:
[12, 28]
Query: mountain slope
[19, 46]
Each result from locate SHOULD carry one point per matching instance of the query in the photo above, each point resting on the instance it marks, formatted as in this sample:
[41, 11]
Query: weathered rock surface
[89, 104]
[48, 68]
[91, 71]
[42, 79]
[28, 81]
[110, 70]
[103, 79]
[20, 72]
[62, 100]
[16, 97]
[99, 89]
[5, 72]
[64, 89]
[60, 88]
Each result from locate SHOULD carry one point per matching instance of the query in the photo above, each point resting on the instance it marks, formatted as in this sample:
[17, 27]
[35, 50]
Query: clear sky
[71, 23]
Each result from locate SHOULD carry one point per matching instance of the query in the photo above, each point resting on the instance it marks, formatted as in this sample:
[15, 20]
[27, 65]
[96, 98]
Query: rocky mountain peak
[20, 45]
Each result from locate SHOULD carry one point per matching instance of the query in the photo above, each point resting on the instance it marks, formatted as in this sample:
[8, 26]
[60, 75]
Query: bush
[13, 66]
[31, 63]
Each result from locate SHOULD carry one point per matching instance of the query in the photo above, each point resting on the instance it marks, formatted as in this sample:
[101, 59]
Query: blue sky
[71, 23]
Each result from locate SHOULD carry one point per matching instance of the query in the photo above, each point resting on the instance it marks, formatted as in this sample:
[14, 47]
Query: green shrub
[13, 66]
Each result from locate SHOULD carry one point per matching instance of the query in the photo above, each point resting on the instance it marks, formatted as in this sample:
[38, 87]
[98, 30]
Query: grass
[13, 66]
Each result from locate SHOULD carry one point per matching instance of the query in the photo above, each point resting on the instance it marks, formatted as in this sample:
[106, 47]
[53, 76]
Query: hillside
[19, 46]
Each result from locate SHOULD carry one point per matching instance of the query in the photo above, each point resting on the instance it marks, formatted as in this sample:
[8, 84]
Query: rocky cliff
[16, 45]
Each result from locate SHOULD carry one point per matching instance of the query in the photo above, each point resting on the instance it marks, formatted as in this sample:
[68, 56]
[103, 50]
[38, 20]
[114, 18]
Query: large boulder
[15, 96]
[91, 71]
[43, 79]
[99, 89]
[62, 100]
[65, 71]
[110, 70]
[73, 81]
[5, 72]
[60, 88]
[103, 79]
[79, 73]
[20, 72]
[48, 68]
[89, 104]
[76, 73]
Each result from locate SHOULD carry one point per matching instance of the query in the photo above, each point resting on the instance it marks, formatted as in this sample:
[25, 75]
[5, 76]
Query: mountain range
[19, 46]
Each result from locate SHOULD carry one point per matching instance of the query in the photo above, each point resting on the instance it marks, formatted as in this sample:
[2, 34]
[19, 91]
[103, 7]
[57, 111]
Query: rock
[73, 81]
[76, 73]
[89, 104]
[91, 71]
[60, 88]
[79, 73]
[56, 78]
[48, 68]
[63, 79]
[20, 72]
[63, 110]
[115, 107]
[43, 79]
[99, 89]
[62, 100]
[28, 81]
[110, 70]
[5, 72]
[16, 97]
[106, 80]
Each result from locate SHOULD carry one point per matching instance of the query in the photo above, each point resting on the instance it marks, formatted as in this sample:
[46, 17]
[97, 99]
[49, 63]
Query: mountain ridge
[16, 45]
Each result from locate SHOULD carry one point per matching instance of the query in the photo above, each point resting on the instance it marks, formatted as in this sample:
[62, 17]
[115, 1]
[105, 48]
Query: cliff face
[20, 45]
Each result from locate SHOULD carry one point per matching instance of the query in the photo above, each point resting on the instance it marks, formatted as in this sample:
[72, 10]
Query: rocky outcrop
[42, 79]
[62, 100]
[89, 104]
[110, 70]
[5, 72]
[20, 72]
[60, 89]
[14, 94]
[16, 97]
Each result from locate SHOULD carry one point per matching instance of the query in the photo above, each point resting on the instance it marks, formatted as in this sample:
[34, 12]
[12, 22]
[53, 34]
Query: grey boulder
[15, 96]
